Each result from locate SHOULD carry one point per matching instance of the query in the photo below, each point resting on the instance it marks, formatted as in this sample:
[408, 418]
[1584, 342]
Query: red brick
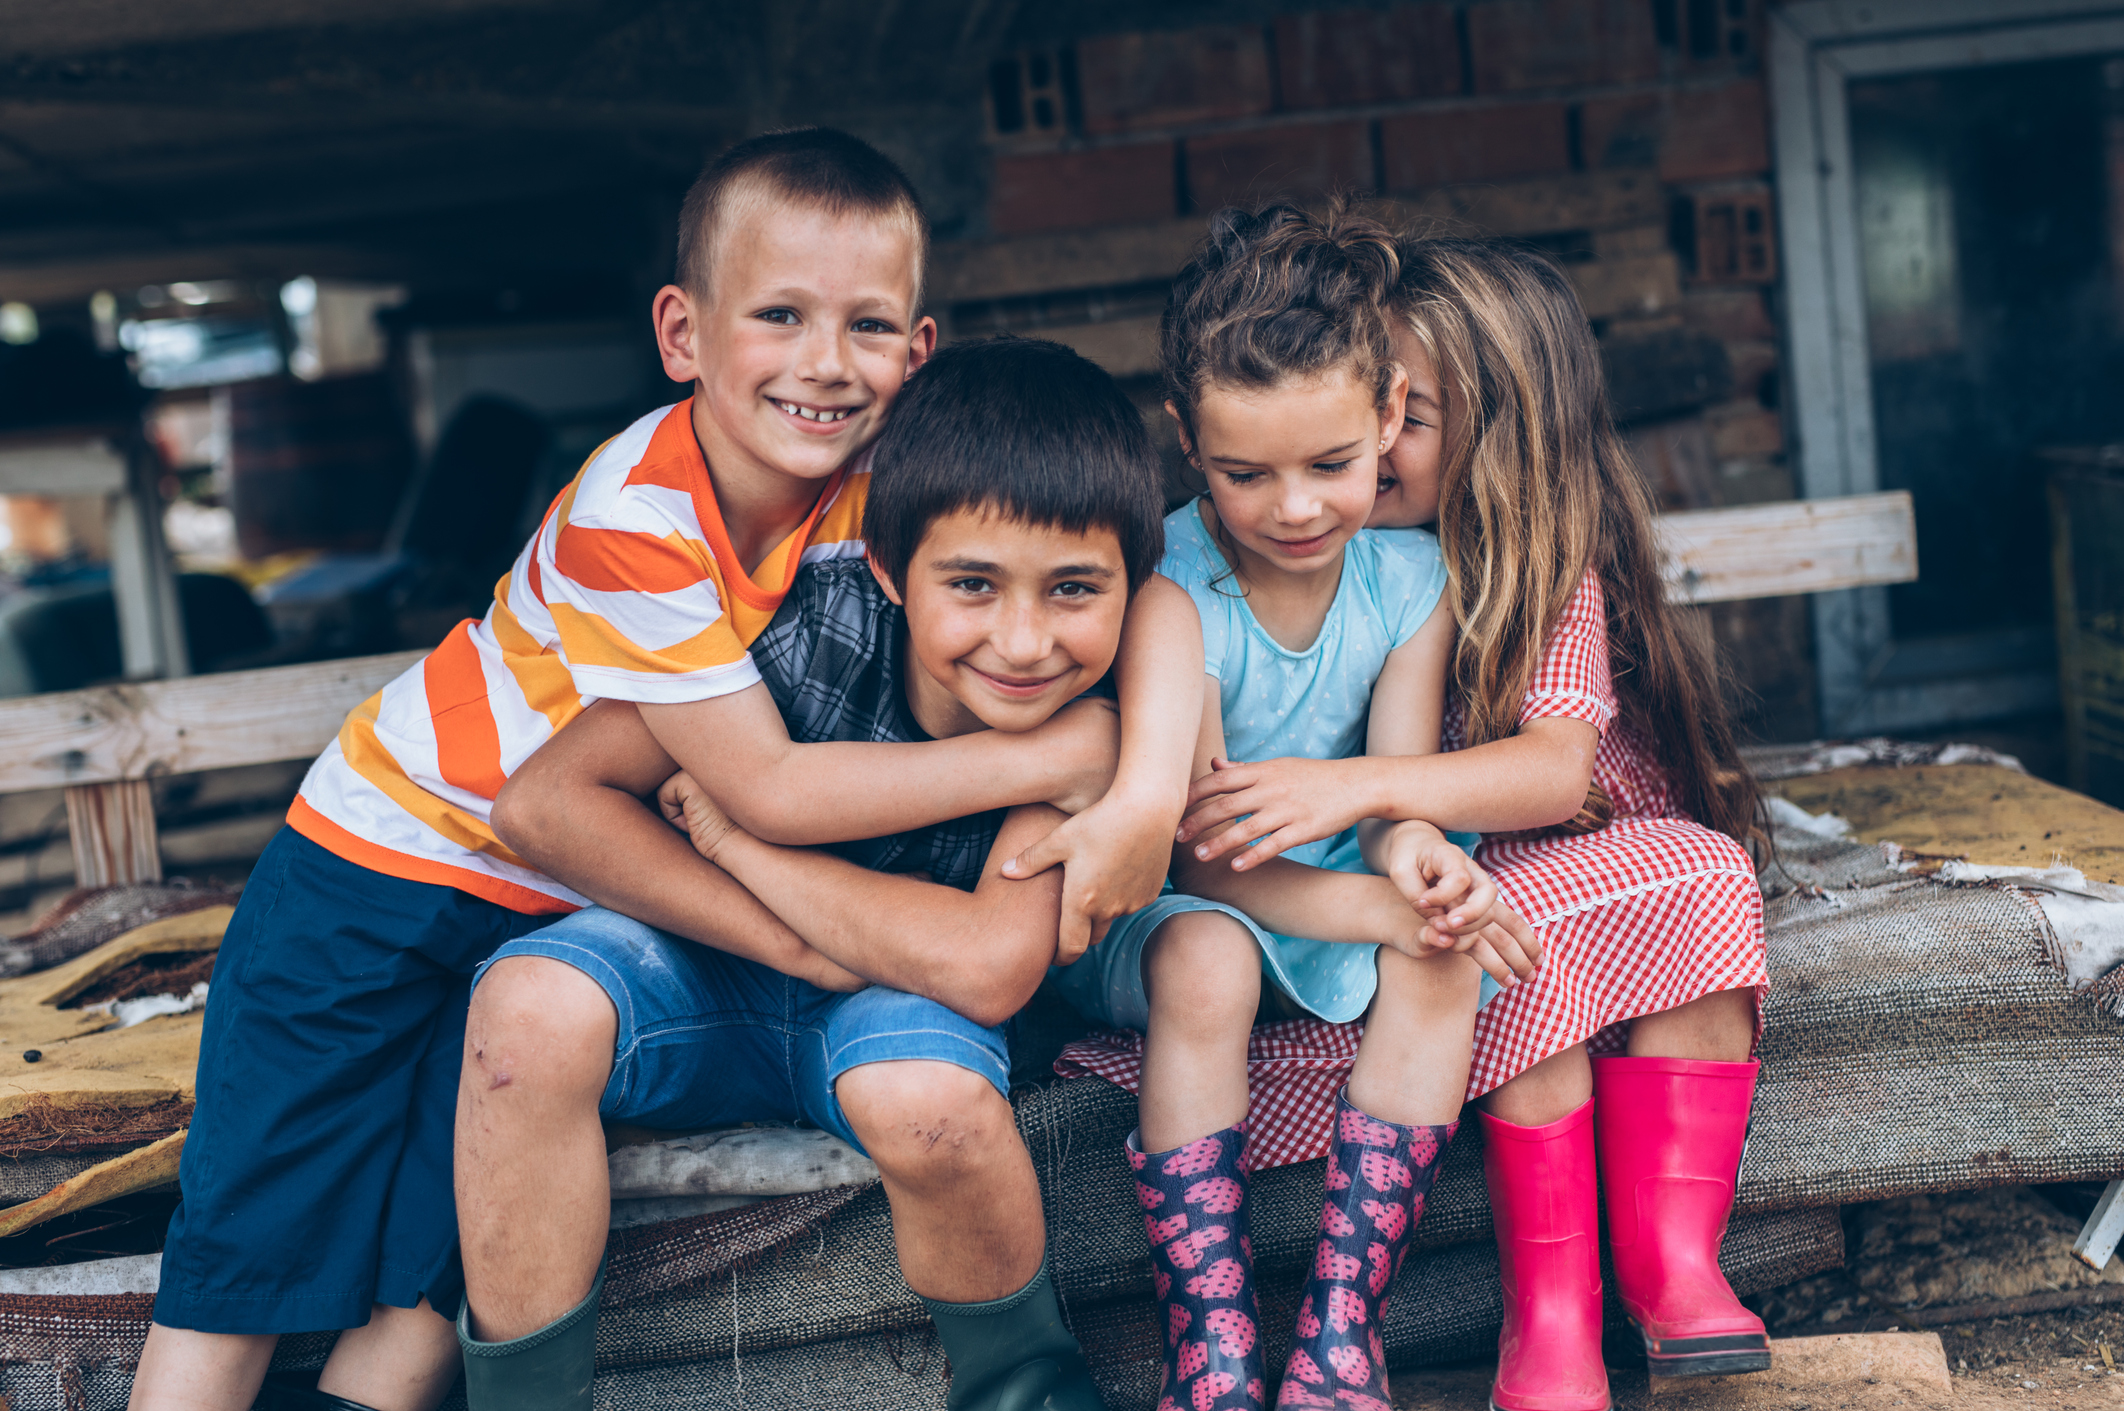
[1348, 57]
[1717, 132]
[1521, 44]
[1621, 132]
[1480, 144]
[1068, 190]
[1134, 81]
[1242, 168]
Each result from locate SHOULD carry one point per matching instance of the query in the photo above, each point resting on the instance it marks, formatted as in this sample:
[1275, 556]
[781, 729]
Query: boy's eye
[970, 585]
[872, 325]
[1075, 590]
[785, 317]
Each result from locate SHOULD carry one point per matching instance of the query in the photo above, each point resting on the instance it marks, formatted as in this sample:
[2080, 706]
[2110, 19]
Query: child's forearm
[979, 953]
[1533, 779]
[1293, 899]
[806, 794]
[612, 849]
[1159, 673]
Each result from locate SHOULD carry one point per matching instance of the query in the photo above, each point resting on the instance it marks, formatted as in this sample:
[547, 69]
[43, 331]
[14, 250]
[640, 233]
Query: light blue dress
[1278, 703]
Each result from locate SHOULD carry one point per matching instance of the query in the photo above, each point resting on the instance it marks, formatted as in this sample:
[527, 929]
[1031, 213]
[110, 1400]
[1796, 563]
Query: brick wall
[1629, 138]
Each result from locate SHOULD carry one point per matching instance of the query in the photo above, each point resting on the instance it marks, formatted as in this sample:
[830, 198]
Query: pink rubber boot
[1542, 1199]
[1670, 1133]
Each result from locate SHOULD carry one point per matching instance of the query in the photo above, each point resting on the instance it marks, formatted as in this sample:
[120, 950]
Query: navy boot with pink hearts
[1377, 1176]
[1202, 1262]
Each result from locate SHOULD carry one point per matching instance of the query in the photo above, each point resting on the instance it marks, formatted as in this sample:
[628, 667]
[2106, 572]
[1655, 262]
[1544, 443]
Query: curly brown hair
[1278, 293]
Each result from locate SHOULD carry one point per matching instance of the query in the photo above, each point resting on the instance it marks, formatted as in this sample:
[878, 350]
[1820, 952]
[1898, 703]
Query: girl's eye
[785, 317]
[872, 325]
[1331, 467]
[1412, 422]
[1241, 477]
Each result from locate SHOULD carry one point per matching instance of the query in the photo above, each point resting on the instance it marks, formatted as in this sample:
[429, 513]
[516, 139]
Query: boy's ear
[921, 345]
[884, 580]
[1391, 416]
[678, 325]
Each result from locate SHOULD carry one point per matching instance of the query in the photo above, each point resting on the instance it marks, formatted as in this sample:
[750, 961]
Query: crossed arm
[1114, 852]
[575, 811]
[1424, 896]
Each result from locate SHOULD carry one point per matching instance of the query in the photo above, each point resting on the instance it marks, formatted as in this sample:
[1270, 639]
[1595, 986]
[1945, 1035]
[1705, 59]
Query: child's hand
[687, 807]
[1113, 856]
[1292, 802]
[1458, 905]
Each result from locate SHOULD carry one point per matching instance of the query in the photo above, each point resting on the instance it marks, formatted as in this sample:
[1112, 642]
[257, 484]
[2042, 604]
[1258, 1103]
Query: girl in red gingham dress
[1588, 743]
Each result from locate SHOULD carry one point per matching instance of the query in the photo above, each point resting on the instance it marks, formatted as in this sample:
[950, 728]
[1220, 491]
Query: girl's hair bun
[1275, 293]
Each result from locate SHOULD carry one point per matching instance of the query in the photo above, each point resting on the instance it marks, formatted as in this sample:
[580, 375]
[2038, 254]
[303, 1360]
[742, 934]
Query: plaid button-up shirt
[832, 660]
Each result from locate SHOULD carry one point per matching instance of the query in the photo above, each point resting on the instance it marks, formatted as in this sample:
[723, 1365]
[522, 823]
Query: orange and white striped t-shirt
[629, 589]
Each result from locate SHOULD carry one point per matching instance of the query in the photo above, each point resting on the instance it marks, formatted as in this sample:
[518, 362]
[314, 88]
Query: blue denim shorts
[709, 1039]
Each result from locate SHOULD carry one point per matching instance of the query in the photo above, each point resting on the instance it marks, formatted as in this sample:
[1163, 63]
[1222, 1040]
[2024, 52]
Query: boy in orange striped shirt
[317, 1176]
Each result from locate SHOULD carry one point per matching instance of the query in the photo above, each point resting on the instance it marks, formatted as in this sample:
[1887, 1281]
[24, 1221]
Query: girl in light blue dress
[1324, 640]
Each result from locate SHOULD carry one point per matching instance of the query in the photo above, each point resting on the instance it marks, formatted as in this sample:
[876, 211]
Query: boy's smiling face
[1007, 622]
[803, 340]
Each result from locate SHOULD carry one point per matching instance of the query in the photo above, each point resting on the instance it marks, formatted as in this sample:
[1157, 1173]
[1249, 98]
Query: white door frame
[1816, 48]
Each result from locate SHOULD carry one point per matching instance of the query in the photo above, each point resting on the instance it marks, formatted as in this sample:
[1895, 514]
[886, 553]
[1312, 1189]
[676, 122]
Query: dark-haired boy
[317, 1173]
[1013, 509]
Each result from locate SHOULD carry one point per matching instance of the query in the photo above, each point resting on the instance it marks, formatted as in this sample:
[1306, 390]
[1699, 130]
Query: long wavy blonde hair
[1535, 488]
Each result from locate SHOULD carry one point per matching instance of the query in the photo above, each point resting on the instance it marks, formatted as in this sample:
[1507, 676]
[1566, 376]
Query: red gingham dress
[1649, 913]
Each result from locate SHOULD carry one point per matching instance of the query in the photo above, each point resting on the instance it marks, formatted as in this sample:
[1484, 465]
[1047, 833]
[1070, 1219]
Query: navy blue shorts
[708, 1039]
[317, 1176]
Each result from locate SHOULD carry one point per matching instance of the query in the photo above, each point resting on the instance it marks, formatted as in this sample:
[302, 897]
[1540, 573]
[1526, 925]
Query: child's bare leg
[183, 1370]
[966, 1213]
[1548, 1092]
[1412, 1068]
[1202, 972]
[402, 1359]
[533, 1200]
[1717, 1028]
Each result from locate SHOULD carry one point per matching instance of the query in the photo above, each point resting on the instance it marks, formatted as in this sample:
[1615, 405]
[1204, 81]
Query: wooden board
[83, 1061]
[1795, 546]
[1984, 812]
[177, 727]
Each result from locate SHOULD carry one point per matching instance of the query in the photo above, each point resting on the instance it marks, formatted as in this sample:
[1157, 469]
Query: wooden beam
[965, 271]
[178, 727]
[113, 831]
[1125, 347]
[1794, 546]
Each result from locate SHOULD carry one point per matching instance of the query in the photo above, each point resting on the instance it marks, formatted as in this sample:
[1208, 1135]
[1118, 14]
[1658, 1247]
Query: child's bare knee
[1202, 970]
[536, 1018]
[1447, 980]
[925, 1122]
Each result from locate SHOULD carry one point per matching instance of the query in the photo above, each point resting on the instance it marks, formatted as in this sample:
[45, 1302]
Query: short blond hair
[819, 167]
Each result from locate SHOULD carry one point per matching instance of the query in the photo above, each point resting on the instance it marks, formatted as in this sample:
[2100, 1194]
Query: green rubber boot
[1013, 1354]
[549, 1370]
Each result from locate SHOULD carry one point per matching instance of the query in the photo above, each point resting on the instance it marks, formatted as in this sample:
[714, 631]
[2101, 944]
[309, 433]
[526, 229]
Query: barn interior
[307, 312]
